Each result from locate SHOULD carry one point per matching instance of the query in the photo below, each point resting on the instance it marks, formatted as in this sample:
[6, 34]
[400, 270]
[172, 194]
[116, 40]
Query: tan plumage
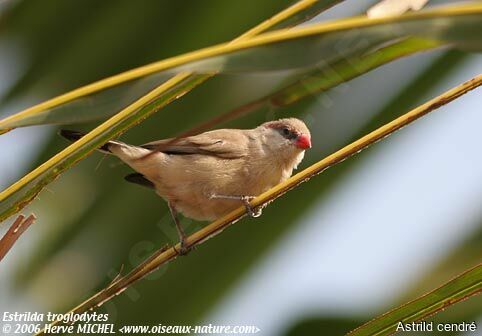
[224, 162]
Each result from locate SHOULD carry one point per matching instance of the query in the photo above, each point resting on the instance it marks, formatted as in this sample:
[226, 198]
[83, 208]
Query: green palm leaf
[292, 49]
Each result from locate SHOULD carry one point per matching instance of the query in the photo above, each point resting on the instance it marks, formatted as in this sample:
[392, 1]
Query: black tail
[140, 179]
[73, 136]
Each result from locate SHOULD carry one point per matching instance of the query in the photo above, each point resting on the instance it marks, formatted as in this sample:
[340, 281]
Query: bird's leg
[252, 211]
[180, 231]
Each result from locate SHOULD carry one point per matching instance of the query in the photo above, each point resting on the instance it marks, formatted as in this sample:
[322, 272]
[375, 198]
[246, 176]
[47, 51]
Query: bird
[207, 175]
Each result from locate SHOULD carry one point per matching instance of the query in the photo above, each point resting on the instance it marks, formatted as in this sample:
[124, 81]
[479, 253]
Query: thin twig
[16, 230]
[164, 255]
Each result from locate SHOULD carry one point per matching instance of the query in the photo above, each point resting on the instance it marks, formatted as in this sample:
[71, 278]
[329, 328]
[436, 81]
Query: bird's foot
[254, 212]
[183, 250]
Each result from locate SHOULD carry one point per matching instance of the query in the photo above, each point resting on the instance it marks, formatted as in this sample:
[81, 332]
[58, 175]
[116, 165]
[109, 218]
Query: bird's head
[290, 132]
[287, 138]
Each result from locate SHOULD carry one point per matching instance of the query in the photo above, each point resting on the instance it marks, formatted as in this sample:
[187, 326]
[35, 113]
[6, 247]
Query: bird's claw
[254, 212]
[183, 250]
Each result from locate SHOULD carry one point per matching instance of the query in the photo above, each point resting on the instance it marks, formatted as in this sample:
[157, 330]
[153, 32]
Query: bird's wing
[221, 143]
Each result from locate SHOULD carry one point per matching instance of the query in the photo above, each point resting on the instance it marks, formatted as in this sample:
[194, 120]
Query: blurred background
[382, 228]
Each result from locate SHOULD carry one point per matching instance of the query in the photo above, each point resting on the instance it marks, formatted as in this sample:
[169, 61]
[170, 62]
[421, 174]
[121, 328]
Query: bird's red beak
[303, 141]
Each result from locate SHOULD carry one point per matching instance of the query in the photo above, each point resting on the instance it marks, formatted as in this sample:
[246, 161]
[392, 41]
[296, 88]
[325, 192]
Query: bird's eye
[286, 132]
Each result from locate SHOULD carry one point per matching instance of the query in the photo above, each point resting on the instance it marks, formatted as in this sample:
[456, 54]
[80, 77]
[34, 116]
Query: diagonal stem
[165, 255]
[19, 226]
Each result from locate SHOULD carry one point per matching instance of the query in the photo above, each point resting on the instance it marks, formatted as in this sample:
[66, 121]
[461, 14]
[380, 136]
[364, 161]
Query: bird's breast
[190, 187]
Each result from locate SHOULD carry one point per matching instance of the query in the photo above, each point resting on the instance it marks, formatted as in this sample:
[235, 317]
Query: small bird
[207, 175]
